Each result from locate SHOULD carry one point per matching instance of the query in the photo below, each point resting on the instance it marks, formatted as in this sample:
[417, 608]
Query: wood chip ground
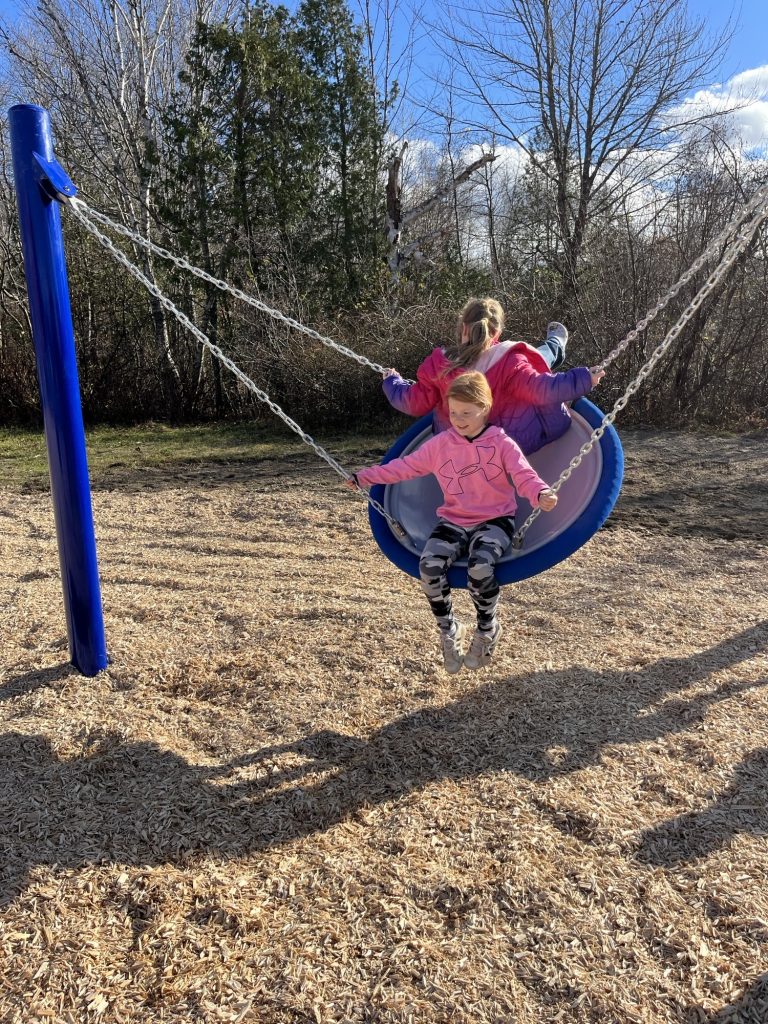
[275, 806]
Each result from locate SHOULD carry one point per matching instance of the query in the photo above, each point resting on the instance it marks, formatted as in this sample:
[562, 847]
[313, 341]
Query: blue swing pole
[41, 183]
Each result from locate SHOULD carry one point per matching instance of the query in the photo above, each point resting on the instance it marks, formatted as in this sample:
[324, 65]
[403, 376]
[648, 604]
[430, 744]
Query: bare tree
[586, 87]
[106, 69]
[389, 36]
[399, 220]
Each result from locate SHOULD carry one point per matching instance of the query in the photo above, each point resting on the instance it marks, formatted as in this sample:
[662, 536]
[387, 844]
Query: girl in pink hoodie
[528, 400]
[474, 464]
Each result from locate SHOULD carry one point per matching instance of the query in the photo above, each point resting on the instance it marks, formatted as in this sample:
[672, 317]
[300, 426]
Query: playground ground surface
[275, 806]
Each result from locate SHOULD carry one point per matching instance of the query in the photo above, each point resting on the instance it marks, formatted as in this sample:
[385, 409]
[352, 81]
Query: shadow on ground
[28, 682]
[742, 807]
[138, 804]
[750, 1008]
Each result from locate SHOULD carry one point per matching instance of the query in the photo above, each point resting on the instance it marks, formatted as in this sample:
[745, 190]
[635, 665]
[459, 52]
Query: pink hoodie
[474, 476]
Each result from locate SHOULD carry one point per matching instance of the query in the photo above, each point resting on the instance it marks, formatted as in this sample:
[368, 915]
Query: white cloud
[510, 160]
[754, 80]
[742, 103]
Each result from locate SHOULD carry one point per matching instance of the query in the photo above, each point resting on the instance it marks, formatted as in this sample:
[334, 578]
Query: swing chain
[217, 352]
[732, 252]
[79, 208]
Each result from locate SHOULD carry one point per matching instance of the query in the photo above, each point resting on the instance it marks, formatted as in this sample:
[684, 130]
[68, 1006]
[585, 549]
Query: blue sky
[748, 49]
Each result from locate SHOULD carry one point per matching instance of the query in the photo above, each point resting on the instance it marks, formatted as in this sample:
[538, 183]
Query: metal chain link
[216, 351]
[758, 202]
[79, 208]
[738, 245]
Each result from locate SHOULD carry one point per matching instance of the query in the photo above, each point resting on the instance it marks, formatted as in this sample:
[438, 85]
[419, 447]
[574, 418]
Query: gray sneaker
[557, 336]
[482, 647]
[453, 648]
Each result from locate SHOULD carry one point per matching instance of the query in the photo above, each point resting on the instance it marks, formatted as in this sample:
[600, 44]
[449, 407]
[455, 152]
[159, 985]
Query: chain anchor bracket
[399, 530]
[54, 180]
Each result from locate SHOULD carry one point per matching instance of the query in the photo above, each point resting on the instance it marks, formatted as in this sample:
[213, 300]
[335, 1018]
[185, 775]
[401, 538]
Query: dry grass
[275, 806]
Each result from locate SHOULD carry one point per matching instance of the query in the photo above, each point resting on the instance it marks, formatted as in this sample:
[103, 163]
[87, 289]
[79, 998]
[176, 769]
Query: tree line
[553, 164]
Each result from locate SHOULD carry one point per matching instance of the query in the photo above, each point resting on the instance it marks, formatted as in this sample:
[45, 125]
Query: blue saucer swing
[586, 501]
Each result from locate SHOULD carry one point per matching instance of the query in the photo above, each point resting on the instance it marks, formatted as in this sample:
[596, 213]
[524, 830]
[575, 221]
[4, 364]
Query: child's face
[467, 418]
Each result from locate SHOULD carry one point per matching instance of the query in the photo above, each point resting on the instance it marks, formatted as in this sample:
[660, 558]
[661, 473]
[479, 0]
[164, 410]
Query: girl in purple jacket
[528, 400]
[474, 464]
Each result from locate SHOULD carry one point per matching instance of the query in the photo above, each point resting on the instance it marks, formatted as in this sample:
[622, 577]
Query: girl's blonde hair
[471, 387]
[483, 320]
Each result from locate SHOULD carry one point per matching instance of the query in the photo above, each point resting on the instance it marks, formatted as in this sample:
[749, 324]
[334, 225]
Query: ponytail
[483, 320]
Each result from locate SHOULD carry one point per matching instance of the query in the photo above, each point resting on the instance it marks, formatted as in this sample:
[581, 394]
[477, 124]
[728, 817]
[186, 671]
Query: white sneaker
[559, 335]
[558, 331]
[482, 648]
[452, 645]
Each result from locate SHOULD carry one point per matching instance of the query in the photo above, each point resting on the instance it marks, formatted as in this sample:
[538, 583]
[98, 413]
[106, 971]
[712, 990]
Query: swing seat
[586, 501]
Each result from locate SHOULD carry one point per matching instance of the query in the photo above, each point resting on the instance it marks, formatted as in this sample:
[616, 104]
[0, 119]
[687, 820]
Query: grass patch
[24, 459]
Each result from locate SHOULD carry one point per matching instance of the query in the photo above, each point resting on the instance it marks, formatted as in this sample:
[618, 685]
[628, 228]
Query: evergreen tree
[347, 117]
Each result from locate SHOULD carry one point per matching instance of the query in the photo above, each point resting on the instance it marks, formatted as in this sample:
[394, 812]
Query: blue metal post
[40, 182]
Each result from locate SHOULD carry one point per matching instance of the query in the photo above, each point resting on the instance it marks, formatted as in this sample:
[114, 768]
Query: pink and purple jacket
[527, 398]
[474, 476]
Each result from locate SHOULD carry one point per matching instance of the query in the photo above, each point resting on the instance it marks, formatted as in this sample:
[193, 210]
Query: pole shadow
[28, 682]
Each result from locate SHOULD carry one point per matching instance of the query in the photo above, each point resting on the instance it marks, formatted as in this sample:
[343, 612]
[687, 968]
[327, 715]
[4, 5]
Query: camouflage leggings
[484, 545]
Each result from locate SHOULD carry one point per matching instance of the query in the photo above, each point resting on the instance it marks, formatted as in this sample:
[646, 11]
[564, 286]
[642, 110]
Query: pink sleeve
[527, 481]
[418, 463]
[414, 399]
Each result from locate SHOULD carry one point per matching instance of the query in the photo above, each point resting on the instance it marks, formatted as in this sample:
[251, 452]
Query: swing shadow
[742, 807]
[138, 804]
[750, 1008]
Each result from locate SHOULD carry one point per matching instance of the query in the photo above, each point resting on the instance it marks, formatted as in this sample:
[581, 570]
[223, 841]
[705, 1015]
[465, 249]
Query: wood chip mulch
[275, 806]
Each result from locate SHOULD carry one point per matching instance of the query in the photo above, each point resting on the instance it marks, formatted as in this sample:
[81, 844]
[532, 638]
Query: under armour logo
[451, 477]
